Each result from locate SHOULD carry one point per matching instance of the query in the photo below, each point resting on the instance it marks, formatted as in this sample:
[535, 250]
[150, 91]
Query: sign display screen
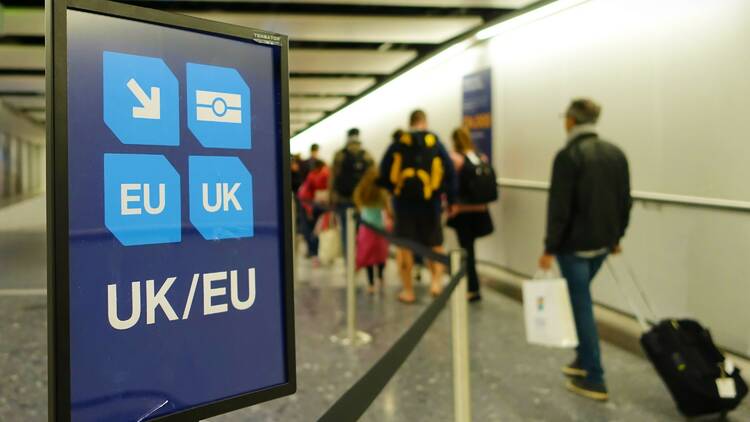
[177, 287]
[477, 109]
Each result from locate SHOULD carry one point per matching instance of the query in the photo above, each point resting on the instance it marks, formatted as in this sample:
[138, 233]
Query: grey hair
[583, 111]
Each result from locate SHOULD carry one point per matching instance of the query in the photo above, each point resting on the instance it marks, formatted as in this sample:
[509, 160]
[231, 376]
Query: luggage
[478, 183]
[697, 374]
[548, 314]
[417, 170]
[329, 238]
[700, 379]
[353, 166]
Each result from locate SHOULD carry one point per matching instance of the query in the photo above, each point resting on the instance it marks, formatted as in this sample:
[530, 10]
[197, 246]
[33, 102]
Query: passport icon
[222, 107]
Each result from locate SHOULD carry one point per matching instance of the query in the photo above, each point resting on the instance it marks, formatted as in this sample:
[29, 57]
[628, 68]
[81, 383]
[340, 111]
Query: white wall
[672, 77]
[436, 89]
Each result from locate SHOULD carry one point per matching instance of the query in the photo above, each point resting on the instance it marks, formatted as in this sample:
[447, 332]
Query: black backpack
[417, 170]
[477, 182]
[353, 166]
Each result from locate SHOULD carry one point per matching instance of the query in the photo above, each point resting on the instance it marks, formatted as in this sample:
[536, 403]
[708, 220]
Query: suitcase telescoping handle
[636, 310]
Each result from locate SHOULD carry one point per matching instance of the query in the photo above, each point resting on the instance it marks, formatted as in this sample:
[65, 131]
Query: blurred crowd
[419, 186]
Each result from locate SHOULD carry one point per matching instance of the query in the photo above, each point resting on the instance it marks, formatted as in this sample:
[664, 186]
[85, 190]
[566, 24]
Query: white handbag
[548, 313]
[329, 238]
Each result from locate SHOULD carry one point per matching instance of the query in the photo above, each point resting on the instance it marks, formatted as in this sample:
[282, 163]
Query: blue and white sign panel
[477, 108]
[218, 106]
[177, 271]
[141, 99]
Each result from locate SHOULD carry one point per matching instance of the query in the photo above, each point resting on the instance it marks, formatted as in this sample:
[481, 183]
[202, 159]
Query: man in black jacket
[587, 214]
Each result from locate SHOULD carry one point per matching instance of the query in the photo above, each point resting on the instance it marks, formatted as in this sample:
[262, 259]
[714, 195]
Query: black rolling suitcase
[700, 379]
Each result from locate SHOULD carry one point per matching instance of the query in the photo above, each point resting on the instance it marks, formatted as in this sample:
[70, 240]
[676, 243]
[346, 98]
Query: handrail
[644, 196]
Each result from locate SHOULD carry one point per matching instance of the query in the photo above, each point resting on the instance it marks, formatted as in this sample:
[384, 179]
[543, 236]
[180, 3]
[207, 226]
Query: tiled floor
[511, 381]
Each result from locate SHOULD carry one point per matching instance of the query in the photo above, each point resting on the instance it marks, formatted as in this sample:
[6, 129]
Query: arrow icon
[150, 106]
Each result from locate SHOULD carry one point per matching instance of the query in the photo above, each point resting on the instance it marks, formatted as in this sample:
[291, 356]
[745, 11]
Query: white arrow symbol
[150, 107]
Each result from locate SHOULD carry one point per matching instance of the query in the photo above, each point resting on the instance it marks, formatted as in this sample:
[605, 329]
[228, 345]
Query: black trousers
[467, 242]
[371, 273]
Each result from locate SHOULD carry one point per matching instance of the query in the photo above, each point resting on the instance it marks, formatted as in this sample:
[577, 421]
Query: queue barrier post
[352, 336]
[357, 399]
[351, 308]
[460, 334]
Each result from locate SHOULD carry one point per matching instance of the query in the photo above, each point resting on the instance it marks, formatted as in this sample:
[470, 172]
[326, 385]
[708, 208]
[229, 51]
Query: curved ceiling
[339, 49]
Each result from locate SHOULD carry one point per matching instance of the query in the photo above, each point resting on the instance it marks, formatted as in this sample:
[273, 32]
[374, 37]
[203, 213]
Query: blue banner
[176, 240]
[477, 109]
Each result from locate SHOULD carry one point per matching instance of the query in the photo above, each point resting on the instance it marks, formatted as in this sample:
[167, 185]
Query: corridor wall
[672, 78]
[22, 160]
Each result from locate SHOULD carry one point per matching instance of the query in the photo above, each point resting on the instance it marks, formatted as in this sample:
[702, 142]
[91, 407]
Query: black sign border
[58, 275]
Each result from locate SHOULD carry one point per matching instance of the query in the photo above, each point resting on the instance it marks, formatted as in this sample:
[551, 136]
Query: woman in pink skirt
[372, 248]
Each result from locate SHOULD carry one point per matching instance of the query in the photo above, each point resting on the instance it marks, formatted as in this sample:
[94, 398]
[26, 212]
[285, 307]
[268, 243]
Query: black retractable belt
[355, 401]
[416, 247]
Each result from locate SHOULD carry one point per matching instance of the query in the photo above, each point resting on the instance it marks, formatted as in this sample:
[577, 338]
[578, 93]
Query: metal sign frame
[58, 275]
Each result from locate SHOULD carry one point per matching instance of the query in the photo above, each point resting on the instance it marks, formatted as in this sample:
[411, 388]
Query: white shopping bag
[548, 314]
[329, 238]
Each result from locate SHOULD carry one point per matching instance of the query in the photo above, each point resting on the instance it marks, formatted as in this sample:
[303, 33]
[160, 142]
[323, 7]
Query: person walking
[372, 249]
[418, 263]
[297, 177]
[418, 171]
[297, 181]
[349, 164]
[587, 214]
[472, 219]
[313, 196]
[306, 166]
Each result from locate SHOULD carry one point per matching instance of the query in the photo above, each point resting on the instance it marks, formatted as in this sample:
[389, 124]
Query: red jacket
[317, 180]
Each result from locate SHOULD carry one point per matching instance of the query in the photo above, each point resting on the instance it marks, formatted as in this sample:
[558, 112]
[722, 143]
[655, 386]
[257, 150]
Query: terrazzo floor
[510, 380]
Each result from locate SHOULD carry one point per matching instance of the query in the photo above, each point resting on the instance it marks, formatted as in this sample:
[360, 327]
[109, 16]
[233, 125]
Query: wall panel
[672, 77]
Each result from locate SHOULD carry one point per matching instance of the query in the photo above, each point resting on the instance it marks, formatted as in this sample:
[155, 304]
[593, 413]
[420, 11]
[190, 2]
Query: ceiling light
[528, 17]
[446, 54]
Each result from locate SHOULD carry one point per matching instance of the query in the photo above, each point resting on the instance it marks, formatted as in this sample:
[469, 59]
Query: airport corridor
[510, 380]
[187, 188]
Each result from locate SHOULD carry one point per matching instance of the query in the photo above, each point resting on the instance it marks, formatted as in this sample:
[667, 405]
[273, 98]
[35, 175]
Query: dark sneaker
[588, 389]
[473, 297]
[574, 370]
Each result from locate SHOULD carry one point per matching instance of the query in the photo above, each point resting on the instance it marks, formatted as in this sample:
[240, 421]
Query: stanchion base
[361, 338]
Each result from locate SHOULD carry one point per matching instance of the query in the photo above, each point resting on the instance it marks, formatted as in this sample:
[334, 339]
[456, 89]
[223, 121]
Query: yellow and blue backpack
[417, 169]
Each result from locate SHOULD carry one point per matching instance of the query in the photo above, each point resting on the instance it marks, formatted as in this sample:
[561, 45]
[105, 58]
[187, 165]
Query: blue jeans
[579, 272]
[308, 230]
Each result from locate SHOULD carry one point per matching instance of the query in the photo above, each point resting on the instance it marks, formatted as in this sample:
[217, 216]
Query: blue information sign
[141, 99]
[219, 106]
[477, 109]
[172, 277]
